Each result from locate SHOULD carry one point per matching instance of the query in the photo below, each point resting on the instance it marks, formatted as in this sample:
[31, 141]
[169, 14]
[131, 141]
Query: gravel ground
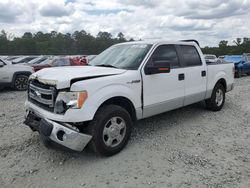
[188, 147]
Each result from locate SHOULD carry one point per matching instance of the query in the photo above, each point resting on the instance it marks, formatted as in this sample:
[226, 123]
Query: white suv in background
[15, 76]
[210, 58]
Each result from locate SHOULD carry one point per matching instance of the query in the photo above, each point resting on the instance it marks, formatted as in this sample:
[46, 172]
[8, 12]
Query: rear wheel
[217, 100]
[21, 82]
[111, 129]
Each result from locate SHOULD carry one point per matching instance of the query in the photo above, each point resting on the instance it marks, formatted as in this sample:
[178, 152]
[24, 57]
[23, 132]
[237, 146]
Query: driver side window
[166, 53]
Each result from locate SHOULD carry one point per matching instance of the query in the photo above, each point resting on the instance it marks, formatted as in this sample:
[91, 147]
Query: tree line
[81, 42]
[55, 43]
[240, 46]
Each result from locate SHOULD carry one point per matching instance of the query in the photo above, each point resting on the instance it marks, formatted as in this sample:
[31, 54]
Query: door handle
[181, 76]
[203, 73]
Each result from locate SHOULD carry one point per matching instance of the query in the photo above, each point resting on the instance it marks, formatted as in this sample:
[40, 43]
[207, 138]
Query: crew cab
[15, 76]
[96, 105]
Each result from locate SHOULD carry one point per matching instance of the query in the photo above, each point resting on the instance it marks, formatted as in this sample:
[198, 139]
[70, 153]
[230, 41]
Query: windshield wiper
[106, 65]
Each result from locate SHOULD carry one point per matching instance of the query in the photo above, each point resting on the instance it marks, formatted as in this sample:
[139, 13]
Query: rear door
[163, 91]
[195, 74]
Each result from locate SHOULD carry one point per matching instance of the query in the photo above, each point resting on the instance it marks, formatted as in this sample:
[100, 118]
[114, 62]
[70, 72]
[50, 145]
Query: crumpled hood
[63, 76]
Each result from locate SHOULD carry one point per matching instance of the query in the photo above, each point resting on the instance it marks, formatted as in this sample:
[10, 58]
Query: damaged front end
[60, 133]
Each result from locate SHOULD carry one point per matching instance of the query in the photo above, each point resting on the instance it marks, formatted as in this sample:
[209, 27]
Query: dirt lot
[189, 147]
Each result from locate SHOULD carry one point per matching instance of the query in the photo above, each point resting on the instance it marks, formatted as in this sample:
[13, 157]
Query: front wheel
[217, 100]
[110, 129]
[21, 82]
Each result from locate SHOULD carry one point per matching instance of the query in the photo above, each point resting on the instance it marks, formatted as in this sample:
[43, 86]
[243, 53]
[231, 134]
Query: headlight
[66, 100]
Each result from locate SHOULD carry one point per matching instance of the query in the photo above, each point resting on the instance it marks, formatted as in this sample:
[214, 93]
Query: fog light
[61, 135]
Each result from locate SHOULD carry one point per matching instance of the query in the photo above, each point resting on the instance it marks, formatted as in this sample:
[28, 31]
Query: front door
[163, 91]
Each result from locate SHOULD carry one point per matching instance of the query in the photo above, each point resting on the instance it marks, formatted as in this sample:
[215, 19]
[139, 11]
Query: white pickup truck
[96, 105]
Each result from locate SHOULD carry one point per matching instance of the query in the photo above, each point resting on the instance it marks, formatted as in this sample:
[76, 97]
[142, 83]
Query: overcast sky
[208, 21]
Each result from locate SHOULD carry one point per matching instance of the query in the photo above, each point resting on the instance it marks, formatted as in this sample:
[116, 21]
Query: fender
[210, 87]
[115, 90]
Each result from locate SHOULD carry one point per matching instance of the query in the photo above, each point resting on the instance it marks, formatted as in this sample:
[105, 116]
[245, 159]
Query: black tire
[101, 121]
[212, 103]
[21, 82]
[248, 73]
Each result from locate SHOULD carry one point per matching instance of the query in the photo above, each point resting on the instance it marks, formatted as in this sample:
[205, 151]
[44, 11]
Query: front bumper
[61, 134]
[71, 115]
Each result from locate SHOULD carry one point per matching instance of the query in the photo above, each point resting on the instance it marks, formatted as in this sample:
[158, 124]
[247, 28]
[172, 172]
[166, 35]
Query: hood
[63, 77]
[21, 67]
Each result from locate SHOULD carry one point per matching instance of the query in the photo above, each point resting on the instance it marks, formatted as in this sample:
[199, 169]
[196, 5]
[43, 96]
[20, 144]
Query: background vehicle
[241, 63]
[97, 104]
[11, 58]
[57, 62]
[210, 58]
[37, 60]
[23, 59]
[15, 76]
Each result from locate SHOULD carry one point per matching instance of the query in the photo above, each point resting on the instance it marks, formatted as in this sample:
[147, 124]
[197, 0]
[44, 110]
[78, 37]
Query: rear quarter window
[190, 55]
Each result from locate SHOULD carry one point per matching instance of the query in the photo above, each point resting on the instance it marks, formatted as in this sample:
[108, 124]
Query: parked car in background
[241, 63]
[37, 60]
[11, 58]
[3, 57]
[15, 76]
[57, 62]
[23, 59]
[210, 58]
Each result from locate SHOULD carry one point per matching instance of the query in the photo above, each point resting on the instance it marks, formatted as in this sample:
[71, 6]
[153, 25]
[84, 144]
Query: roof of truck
[155, 42]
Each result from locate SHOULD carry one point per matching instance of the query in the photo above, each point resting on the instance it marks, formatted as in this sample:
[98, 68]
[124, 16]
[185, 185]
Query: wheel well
[124, 103]
[223, 82]
[20, 73]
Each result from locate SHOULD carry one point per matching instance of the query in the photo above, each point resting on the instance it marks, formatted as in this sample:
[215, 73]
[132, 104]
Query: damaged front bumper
[60, 133]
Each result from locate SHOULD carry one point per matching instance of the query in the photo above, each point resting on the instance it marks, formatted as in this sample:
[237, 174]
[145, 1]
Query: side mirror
[159, 66]
[1, 64]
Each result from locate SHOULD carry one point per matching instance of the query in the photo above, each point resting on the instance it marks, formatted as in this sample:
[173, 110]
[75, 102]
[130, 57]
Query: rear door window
[190, 55]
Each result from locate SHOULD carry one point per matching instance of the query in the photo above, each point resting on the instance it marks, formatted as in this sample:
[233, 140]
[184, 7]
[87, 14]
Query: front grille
[42, 95]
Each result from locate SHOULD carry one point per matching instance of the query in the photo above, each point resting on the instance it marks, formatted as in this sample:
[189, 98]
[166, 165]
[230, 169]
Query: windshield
[234, 59]
[124, 56]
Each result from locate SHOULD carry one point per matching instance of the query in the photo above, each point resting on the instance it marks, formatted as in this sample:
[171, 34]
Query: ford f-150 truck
[96, 105]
